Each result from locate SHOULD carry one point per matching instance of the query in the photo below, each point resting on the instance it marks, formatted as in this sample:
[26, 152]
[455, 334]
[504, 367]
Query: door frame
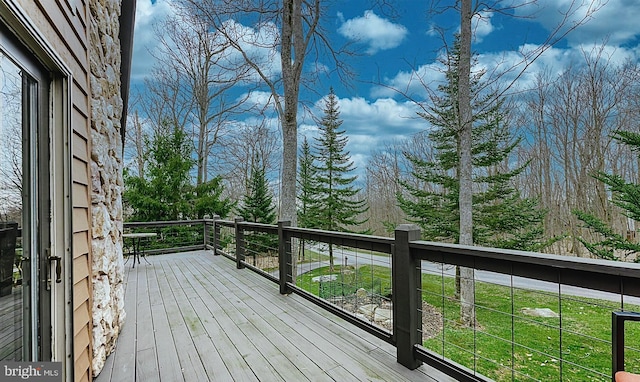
[35, 199]
[19, 29]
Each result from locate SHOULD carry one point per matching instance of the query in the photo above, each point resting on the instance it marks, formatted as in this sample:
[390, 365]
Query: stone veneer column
[106, 179]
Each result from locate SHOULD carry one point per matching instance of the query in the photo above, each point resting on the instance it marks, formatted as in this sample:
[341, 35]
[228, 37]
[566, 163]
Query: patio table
[136, 239]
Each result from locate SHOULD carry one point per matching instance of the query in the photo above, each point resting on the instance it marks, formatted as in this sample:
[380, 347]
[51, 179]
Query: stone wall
[106, 179]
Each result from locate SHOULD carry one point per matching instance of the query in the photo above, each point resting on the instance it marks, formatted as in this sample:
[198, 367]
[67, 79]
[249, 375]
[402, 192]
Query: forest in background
[565, 126]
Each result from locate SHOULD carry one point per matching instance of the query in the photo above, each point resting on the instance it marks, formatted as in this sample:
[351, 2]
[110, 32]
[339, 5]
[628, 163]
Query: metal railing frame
[170, 223]
[407, 252]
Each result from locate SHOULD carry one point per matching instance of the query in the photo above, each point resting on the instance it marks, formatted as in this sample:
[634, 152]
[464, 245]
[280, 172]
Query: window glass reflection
[11, 209]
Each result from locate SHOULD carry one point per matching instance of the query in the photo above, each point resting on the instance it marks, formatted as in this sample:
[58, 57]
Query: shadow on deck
[195, 317]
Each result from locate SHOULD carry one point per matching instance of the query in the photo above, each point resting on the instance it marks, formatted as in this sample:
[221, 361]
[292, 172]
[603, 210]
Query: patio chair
[8, 236]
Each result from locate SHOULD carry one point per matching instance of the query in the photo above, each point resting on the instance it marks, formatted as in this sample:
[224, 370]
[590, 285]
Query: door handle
[58, 261]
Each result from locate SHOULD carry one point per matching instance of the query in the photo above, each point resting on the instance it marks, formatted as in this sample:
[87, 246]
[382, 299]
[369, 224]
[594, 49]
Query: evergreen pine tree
[165, 192]
[209, 200]
[337, 207]
[502, 218]
[258, 204]
[307, 188]
[258, 207]
[307, 191]
[626, 195]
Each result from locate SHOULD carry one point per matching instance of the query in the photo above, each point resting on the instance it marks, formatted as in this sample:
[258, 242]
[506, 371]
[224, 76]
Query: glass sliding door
[11, 278]
[25, 332]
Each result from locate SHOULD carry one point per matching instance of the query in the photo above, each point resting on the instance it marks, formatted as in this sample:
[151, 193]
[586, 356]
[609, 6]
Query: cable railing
[170, 236]
[348, 277]
[348, 274]
[537, 317]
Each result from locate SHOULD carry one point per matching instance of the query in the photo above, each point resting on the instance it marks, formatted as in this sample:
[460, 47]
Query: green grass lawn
[507, 344]
[375, 279]
[541, 350]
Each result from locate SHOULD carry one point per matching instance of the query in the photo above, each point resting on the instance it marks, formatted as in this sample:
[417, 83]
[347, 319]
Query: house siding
[83, 34]
[65, 27]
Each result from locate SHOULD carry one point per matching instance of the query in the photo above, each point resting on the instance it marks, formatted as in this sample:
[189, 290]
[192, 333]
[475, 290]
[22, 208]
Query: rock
[106, 178]
[368, 310]
[361, 293]
[539, 312]
[324, 278]
[382, 315]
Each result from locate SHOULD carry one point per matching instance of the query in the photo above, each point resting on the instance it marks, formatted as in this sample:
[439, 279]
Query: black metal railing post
[216, 234]
[617, 339]
[240, 243]
[284, 257]
[206, 234]
[407, 301]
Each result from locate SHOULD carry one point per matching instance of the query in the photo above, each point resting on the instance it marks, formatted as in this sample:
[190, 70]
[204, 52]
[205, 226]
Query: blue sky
[396, 48]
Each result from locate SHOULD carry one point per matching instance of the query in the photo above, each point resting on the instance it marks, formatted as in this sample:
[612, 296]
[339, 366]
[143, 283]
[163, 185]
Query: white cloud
[554, 61]
[507, 67]
[259, 101]
[370, 124]
[613, 21]
[378, 33]
[258, 42]
[320, 68]
[145, 40]
[616, 55]
[417, 83]
[481, 25]
[382, 116]
[271, 123]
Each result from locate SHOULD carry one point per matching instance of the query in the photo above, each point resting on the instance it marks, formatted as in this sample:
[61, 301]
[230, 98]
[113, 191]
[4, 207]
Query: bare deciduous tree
[381, 186]
[191, 82]
[385, 167]
[239, 151]
[135, 149]
[465, 166]
[11, 142]
[290, 26]
[575, 116]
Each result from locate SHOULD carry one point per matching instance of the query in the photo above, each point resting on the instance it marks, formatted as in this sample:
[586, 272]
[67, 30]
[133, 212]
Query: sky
[399, 48]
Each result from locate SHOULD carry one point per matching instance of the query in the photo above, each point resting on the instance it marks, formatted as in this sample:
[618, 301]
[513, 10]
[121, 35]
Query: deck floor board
[195, 317]
[123, 366]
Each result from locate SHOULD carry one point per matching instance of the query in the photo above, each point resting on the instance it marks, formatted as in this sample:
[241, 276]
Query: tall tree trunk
[331, 261]
[292, 55]
[201, 152]
[289, 165]
[139, 145]
[467, 298]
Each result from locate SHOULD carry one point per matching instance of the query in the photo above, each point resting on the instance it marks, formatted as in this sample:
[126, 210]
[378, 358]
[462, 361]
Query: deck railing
[564, 343]
[275, 251]
[171, 236]
[387, 286]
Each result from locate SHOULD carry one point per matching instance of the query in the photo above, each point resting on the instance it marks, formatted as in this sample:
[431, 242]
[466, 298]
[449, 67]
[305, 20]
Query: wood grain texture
[195, 317]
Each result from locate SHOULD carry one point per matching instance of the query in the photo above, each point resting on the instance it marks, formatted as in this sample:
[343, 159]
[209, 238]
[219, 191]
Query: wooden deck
[11, 325]
[195, 317]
